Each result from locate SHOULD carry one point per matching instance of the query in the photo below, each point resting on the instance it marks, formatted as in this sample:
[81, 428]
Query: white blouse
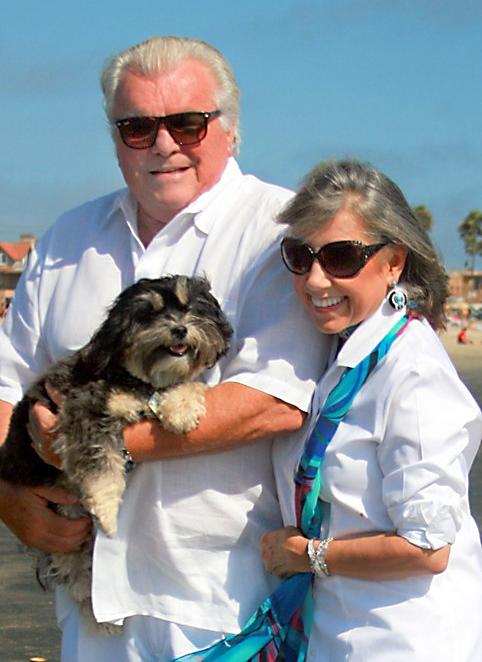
[398, 462]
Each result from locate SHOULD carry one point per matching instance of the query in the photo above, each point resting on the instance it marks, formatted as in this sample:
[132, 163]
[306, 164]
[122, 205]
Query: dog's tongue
[178, 349]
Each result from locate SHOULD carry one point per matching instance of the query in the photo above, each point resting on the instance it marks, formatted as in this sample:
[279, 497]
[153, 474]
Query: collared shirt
[187, 548]
[398, 462]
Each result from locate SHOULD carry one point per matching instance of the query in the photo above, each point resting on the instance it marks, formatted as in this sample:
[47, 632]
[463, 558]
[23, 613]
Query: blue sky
[394, 82]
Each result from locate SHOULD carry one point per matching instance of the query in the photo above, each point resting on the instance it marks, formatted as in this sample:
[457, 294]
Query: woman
[397, 564]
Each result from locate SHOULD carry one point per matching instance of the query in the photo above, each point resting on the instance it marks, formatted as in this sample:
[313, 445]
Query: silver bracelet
[317, 557]
[129, 462]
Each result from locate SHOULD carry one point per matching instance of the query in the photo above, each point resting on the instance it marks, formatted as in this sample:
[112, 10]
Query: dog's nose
[179, 332]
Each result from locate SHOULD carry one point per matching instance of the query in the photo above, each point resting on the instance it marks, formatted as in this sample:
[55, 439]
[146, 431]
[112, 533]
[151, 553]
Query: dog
[159, 335]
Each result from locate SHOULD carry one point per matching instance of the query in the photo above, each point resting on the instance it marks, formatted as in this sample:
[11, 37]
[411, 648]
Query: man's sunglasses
[184, 128]
[341, 259]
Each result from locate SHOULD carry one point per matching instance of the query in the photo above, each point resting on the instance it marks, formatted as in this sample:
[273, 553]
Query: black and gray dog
[159, 335]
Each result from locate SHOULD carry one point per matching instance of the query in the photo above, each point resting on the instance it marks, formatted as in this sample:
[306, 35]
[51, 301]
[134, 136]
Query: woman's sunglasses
[341, 259]
[184, 128]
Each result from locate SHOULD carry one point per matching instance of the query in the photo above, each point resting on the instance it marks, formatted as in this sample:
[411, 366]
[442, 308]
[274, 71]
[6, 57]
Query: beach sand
[27, 622]
[467, 358]
[468, 361]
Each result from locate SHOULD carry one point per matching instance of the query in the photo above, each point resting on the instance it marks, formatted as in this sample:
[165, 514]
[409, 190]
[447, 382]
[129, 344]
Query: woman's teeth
[326, 303]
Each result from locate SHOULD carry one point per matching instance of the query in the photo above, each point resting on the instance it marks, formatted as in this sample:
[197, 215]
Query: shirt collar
[368, 334]
[200, 209]
[124, 202]
[203, 206]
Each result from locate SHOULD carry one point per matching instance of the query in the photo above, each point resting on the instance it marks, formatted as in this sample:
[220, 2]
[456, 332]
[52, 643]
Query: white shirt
[188, 543]
[398, 462]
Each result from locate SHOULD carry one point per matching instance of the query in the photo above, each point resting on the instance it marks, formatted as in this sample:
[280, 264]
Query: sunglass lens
[342, 259]
[296, 256]
[187, 128]
[137, 132]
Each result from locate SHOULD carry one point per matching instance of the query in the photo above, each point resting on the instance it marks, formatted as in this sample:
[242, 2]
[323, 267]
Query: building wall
[466, 286]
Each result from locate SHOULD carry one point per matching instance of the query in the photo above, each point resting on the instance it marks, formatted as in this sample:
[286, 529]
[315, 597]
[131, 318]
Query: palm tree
[470, 230]
[424, 215]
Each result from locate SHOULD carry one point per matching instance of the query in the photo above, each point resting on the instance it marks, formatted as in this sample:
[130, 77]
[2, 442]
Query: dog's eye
[148, 304]
[145, 311]
[205, 303]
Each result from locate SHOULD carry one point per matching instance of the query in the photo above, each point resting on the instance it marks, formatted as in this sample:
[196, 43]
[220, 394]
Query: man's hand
[26, 511]
[42, 428]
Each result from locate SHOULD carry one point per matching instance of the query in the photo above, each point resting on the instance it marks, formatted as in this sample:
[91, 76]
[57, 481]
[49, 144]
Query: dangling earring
[396, 296]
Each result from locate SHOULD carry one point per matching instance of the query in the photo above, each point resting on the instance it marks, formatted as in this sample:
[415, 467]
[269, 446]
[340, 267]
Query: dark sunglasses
[184, 128]
[341, 259]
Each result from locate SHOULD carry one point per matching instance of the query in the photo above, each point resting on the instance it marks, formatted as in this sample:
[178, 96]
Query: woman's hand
[284, 552]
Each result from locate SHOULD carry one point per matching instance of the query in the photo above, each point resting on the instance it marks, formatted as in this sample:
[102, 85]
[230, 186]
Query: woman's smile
[326, 303]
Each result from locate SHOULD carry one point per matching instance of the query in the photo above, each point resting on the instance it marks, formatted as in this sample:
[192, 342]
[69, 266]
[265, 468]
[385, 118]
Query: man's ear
[231, 138]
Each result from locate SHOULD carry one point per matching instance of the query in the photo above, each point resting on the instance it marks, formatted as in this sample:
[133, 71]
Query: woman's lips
[326, 304]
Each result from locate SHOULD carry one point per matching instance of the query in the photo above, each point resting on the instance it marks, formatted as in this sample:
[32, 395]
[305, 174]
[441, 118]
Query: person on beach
[463, 337]
[184, 567]
[376, 510]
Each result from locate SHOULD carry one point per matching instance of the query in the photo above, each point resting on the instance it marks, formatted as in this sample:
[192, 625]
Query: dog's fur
[159, 335]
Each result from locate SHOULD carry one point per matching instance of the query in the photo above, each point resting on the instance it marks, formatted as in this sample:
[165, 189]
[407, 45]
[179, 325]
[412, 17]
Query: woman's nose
[317, 278]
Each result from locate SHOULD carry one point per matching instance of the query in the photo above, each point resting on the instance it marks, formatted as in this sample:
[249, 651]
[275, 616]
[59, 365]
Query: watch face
[154, 403]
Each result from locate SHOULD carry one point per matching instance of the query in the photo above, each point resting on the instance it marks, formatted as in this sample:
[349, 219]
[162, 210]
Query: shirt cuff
[428, 525]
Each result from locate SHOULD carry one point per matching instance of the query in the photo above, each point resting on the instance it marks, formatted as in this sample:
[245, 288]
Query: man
[184, 567]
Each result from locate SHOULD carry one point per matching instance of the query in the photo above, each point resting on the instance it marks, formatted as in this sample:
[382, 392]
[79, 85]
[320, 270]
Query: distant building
[465, 286]
[13, 258]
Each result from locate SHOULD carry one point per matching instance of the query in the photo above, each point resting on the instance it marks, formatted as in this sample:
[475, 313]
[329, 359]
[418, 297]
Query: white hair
[165, 54]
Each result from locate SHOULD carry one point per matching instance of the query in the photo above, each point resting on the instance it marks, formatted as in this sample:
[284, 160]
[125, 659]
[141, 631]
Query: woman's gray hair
[387, 216]
[165, 53]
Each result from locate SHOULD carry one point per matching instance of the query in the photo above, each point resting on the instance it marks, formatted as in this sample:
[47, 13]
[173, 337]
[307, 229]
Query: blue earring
[396, 296]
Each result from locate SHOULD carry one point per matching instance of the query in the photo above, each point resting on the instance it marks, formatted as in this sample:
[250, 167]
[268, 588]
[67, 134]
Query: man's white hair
[166, 53]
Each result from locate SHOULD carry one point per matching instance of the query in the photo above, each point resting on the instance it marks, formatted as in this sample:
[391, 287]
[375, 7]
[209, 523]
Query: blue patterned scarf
[280, 628]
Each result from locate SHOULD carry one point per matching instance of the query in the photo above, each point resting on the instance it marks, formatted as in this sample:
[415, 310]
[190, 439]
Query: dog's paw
[180, 407]
[101, 494]
[127, 406]
[104, 514]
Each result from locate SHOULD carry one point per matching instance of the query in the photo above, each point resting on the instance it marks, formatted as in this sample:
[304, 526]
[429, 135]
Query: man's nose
[164, 143]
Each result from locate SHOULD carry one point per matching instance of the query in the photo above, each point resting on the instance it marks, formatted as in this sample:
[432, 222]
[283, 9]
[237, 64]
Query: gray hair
[387, 216]
[165, 53]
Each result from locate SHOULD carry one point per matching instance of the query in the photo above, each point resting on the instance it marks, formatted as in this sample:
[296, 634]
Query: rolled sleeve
[426, 453]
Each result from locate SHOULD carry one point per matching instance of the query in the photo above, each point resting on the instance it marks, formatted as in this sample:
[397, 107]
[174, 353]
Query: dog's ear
[207, 301]
[105, 347]
[224, 326]
[221, 319]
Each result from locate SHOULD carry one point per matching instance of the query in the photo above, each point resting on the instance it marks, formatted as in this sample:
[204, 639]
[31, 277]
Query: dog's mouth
[177, 350]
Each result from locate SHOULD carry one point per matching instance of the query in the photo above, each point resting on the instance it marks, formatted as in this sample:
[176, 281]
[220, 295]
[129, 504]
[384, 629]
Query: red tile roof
[16, 250]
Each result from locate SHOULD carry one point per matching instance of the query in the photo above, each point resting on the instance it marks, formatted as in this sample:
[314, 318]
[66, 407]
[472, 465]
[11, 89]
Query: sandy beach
[27, 623]
[468, 361]
[467, 358]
